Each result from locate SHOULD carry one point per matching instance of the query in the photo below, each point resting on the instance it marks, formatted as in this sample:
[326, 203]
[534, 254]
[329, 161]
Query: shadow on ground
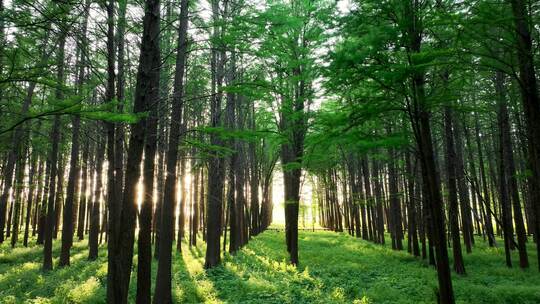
[335, 268]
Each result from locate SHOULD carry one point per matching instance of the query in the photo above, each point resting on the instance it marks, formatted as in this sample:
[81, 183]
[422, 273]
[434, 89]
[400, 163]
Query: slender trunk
[32, 186]
[420, 120]
[83, 198]
[395, 206]
[488, 223]
[463, 191]
[94, 216]
[19, 185]
[509, 192]
[53, 161]
[530, 100]
[214, 208]
[170, 196]
[451, 182]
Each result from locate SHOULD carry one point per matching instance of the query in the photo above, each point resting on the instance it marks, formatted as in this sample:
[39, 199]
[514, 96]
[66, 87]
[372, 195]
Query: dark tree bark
[163, 280]
[182, 204]
[13, 154]
[17, 202]
[144, 248]
[214, 208]
[485, 202]
[72, 190]
[32, 186]
[113, 194]
[370, 201]
[395, 206]
[531, 102]
[195, 202]
[379, 202]
[451, 182]
[463, 190]
[94, 214]
[53, 161]
[509, 190]
[411, 207]
[83, 200]
[43, 201]
[254, 178]
[420, 119]
[59, 199]
[146, 94]
[71, 195]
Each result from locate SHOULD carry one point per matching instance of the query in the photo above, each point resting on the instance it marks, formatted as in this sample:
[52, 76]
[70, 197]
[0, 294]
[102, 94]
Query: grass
[335, 268]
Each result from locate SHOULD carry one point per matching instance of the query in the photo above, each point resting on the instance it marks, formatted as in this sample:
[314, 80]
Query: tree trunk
[53, 161]
[146, 93]
[94, 215]
[216, 165]
[451, 182]
[163, 280]
[509, 189]
[530, 100]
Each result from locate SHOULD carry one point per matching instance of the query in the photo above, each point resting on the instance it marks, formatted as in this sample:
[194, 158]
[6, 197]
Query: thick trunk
[144, 242]
[291, 182]
[146, 93]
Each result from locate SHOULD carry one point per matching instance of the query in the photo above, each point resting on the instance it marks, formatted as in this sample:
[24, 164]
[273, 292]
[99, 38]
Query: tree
[146, 93]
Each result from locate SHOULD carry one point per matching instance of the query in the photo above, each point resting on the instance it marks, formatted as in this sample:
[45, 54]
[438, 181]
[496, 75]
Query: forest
[269, 151]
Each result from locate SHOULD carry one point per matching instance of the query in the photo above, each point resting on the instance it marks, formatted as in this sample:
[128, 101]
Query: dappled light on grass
[335, 268]
[24, 282]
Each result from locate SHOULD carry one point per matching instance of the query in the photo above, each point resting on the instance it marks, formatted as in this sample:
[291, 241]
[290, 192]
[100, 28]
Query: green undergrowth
[335, 268]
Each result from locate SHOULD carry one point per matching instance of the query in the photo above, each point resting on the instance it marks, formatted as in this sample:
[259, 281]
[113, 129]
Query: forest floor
[335, 268]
